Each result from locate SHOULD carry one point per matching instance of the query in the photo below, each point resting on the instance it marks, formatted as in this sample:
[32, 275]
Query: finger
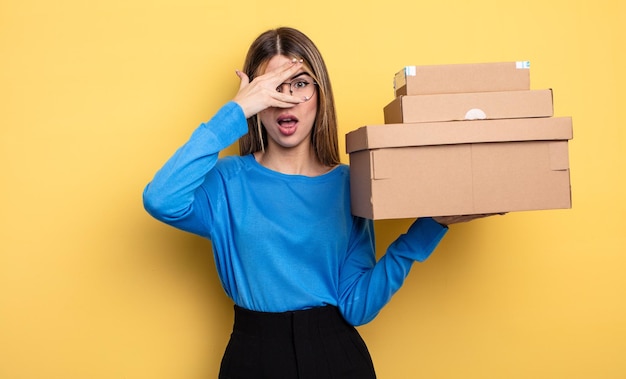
[245, 80]
[292, 68]
[286, 71]
[282, 100]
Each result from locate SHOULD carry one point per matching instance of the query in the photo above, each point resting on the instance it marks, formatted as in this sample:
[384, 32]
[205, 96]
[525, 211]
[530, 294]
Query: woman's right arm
[170, 195]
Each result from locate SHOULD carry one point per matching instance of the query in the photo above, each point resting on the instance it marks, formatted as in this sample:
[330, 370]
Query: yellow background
[96, 95]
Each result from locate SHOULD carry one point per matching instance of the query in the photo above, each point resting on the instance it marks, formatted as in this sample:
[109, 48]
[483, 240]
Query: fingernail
[294, 60]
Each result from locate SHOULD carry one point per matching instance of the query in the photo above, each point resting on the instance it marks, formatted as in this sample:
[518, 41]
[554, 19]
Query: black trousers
[310, 344]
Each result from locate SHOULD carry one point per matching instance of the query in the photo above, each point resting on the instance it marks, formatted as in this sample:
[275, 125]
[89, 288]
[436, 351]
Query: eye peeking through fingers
[302, 86]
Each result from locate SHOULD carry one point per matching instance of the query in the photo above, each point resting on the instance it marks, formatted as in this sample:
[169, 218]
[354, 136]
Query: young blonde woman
[300, 269]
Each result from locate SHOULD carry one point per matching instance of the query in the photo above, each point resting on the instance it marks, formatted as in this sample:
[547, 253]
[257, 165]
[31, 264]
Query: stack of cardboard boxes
[461, 139]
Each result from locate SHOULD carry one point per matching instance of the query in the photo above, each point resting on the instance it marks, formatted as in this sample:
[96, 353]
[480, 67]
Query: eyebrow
[300, 74]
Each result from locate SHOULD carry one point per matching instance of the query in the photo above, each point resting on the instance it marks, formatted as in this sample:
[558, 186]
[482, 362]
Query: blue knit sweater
[281, 242]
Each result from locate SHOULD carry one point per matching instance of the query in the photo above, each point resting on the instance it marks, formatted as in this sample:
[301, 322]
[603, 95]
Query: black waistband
[313, 321]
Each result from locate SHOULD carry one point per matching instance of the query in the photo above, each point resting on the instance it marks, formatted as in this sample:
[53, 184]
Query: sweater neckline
[253, 164]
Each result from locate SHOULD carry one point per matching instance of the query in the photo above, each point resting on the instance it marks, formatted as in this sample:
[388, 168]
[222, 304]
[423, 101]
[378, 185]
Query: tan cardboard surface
[460, 78]
[447, 174]
[457, 132]
[469, 106]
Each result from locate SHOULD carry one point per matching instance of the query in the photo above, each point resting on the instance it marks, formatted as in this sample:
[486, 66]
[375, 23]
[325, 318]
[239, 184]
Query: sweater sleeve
[170, 196]
[367, 286]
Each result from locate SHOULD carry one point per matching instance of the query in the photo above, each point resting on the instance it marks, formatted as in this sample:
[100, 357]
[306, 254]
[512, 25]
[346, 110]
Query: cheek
[264, 116]
[310, 107]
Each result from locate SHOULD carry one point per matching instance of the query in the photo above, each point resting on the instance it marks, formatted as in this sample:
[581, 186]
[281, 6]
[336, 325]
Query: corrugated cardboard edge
[500, 105]
[393, 111]
[458, 132]
[430, 77]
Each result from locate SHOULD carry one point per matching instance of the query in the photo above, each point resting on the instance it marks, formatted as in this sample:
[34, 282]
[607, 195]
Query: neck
[291, 161]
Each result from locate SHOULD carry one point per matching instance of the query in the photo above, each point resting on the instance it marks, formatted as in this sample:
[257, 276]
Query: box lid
[469, 106]
[460, 78]
[458, 132]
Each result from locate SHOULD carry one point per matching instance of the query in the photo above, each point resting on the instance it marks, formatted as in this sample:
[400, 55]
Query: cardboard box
[460, 78]
[459, 167]
[469, 106]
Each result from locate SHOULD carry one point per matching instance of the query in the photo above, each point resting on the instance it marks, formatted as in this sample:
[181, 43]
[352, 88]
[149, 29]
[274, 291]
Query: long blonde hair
[293, 43]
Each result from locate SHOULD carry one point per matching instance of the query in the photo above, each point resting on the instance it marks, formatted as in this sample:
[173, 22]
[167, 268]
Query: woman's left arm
[366, 286]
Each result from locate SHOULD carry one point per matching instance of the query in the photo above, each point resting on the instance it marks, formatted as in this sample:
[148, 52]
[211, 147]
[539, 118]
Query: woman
[299, 267]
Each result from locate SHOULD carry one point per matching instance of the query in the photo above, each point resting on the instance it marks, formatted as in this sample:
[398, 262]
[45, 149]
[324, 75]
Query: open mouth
[287, 120]
[287, 124]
